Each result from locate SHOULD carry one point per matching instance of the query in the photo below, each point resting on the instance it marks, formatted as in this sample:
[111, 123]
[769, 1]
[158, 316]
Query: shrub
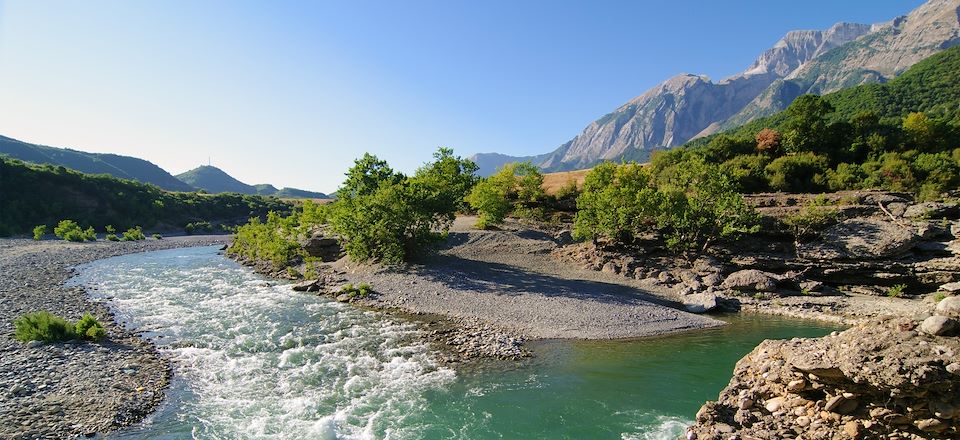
[69, 230]
[112, 237]
[812, 217]
[747, 172]
[362, 291]
[44, 327]
[891, 171]
[39, 231]
[804, 172]
[385, 216]
[939, 296]
[134, 234]
[845, 176]
[896, 291]
[89, 234]
[89, 328]
[617, 201]
[515, 187]
[157, 236]
[198, 227]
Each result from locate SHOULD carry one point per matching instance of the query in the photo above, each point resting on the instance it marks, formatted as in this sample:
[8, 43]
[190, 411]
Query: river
[253, 359]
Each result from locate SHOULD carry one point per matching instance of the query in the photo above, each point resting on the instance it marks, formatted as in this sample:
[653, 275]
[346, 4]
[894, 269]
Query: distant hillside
[214, 180]
[932, 85]
[45, 194]
[123, 167]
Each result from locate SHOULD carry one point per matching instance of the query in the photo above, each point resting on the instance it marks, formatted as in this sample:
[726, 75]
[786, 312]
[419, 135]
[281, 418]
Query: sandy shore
[507, 278]
[64, 390]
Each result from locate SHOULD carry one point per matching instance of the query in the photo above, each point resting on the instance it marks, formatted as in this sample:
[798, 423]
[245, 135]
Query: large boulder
[322, 246]
[700, 302]
[938, 325]
[860, 238]
[949, 307]
[751, 280]
[933, 210]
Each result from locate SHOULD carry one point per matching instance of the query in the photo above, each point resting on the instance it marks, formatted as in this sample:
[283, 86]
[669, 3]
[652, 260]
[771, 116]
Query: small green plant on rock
[362, 291]
[39, 231]
[939, 296]
[896, 291]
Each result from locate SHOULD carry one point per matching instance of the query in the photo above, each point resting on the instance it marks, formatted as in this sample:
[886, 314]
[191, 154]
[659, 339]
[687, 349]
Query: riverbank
[66, 390]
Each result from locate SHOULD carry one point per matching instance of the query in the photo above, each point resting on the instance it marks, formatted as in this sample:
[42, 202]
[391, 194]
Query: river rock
[949, 307]
[860, 238]
[950, 287]
[307, 286]
[700, 302]
[938, 325]
[751, 280]
[321, 246]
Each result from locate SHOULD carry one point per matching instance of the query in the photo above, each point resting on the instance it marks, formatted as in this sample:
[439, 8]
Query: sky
[291, 92]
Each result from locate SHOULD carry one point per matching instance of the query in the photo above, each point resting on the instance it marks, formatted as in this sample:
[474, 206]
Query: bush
[362, 291]
[891, 171]
[157, 236]
[515, 188]
[89, 328]
[845, 176]
[39, 231]
[747, 172]
[112, 237]
[803, 172]
[44, 327]
[617, 202]
[198, 227]
[134, 234]
[69, 230]
[388, 217]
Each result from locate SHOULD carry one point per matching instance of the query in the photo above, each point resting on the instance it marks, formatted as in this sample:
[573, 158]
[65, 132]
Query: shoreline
[65, 390]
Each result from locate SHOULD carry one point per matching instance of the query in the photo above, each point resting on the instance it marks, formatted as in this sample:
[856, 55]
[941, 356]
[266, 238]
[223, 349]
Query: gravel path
[509, 279]
[64, 390]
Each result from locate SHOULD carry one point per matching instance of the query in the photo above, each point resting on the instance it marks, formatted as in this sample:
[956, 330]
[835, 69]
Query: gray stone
[950, 287]
[751, 280]
[321, 246]
[812, 286]
[712, 280]
[949, 307]
[307, 286]
[932, 210]
[665, 277]
[938, 325]
[860, 238]
[700, 302]
[841, 405]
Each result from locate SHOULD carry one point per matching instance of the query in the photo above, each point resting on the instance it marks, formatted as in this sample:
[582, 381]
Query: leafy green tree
[617, 202]
[699, 205]
[69, 230]
[804, 172]
[385, 216]
[515, 187]
[807, 127]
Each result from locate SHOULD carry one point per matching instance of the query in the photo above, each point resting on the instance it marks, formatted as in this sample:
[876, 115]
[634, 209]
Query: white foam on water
[261, 361]
[657, 427]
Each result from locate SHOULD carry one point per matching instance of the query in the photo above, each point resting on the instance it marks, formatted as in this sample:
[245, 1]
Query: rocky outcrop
[861, 238]
[879, 380]
[320, 245]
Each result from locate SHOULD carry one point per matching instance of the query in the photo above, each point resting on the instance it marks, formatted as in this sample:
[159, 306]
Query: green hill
[45, 194]
[932, 85]
[900, 136]
[123, 167]
[214, 180]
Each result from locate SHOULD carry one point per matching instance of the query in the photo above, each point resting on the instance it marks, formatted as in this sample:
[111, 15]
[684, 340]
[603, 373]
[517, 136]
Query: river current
[253, 359]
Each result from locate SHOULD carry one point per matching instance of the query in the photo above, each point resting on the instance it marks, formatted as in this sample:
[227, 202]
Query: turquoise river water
[253, 359]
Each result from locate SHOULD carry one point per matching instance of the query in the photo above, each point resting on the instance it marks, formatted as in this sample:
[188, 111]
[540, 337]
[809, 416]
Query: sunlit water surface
[253, 359]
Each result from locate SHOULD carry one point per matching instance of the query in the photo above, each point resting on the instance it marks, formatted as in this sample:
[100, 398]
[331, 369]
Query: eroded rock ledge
[885, 379]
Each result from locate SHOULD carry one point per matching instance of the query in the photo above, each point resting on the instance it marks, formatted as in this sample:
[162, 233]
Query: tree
[515, 187]
[805, 172]
[384, 216]
[617, 202]
[807, 128]
[700, 205]
[768, 142]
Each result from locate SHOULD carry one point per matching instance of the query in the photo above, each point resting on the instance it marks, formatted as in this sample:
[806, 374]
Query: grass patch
[47, 327]
[362, 291]
[896, 291]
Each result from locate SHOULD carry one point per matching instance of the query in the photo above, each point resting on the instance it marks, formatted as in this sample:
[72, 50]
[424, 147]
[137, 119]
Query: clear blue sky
[290, 93]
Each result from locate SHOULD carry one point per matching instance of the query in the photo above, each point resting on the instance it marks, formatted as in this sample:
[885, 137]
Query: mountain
[810, 61]
[124, 167]
[214, 180]
[45, 194]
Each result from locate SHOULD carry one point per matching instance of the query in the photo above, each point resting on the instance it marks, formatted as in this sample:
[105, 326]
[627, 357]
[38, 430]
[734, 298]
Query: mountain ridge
[214, 180]
[688, 106]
